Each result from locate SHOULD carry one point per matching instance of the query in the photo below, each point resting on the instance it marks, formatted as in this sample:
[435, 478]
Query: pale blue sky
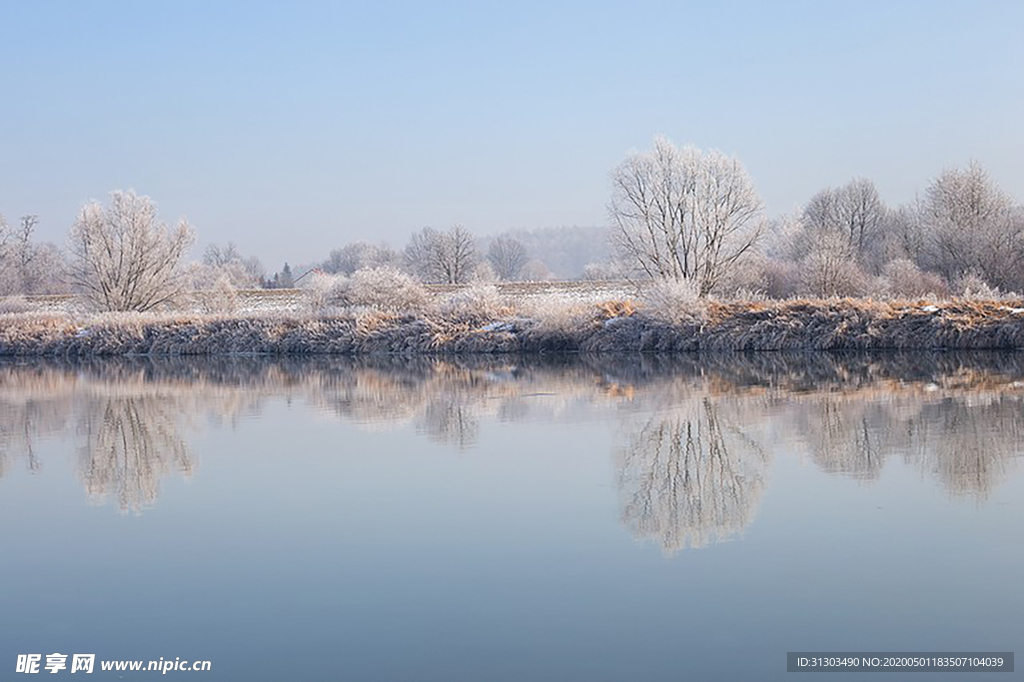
[291, 128]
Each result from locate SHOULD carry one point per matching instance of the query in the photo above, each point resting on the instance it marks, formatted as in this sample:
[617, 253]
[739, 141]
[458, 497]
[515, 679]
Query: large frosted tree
[684, 214]
[123, 258]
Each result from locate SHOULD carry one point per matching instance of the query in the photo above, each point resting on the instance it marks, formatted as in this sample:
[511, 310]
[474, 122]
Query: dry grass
[486, 323]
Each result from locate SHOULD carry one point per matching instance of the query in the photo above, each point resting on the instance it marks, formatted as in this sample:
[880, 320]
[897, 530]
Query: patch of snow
[615, 321]
[498, 327]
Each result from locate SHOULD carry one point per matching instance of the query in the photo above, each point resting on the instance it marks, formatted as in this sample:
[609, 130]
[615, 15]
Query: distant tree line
[695, 217]
[679, 214]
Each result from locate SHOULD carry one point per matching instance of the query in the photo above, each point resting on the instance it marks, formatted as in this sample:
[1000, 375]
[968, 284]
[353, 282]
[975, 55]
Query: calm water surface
[562, 519]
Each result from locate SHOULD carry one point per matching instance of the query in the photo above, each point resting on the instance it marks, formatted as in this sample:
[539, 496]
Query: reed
[607, 327]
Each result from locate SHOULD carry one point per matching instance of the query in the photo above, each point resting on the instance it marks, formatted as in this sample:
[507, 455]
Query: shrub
[484, 272]
[554, 312]
[830, 269]
[671, 298]
[386, 288]
[780, 278]
[475, 302]
[748, 296]
[223, 297]
[972, 286]
[902, 277]
[327, 291]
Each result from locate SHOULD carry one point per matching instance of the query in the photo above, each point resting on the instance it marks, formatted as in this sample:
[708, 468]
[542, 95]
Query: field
[261, 301]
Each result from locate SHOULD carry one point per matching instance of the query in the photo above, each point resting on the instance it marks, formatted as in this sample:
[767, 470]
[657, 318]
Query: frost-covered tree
[357, 256]
[830, 267]
[448, 257]
[972, 226]
[28, 267]
[684, 213]
[855, 211]
[123, 258]
[226, 262]
[507, 256]
[219, 256]
[904, 235]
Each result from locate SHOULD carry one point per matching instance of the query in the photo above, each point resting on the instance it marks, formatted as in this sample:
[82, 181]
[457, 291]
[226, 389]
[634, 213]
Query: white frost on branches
[684, 213]
[123, 258]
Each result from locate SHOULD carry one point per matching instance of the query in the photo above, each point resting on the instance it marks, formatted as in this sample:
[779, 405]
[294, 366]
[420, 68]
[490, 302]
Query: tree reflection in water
[130, 444]
[700, 429]
[690, 477]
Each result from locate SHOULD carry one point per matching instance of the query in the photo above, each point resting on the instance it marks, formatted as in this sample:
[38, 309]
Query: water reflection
[698, 432]
[691, 476]
[130, 443]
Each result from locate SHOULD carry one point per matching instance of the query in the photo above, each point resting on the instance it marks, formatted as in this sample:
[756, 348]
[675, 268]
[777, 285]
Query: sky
[293, 128]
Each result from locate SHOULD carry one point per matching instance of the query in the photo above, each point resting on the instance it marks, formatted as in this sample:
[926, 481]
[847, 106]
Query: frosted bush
[214, 288]
[476, 301]
[222, 297]
[670, 298]
[746, 276]
[748, 296]
[484, 272]
[327, 291]
[901, 277]
[830, 269]
[386, 288]
[973, 286]
[553, 311]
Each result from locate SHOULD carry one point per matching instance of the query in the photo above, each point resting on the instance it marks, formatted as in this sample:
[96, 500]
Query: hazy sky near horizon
[292, 128]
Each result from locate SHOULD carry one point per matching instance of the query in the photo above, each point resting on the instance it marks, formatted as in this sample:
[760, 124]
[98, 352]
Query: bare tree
[507, 256]
[219, 256]
[904, 235]
[124, 258]
[26, 254]
[226, 262]
[971, 227]
[416, 256]
[27, 267]
[854, 211]
[357, 256]
[254, 270]
[445, 257]
[684, 213]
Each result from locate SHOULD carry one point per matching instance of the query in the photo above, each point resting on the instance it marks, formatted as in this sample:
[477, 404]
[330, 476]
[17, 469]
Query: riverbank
[615, 326]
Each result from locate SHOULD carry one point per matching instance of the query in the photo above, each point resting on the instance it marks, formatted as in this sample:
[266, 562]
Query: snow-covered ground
[260, 301]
